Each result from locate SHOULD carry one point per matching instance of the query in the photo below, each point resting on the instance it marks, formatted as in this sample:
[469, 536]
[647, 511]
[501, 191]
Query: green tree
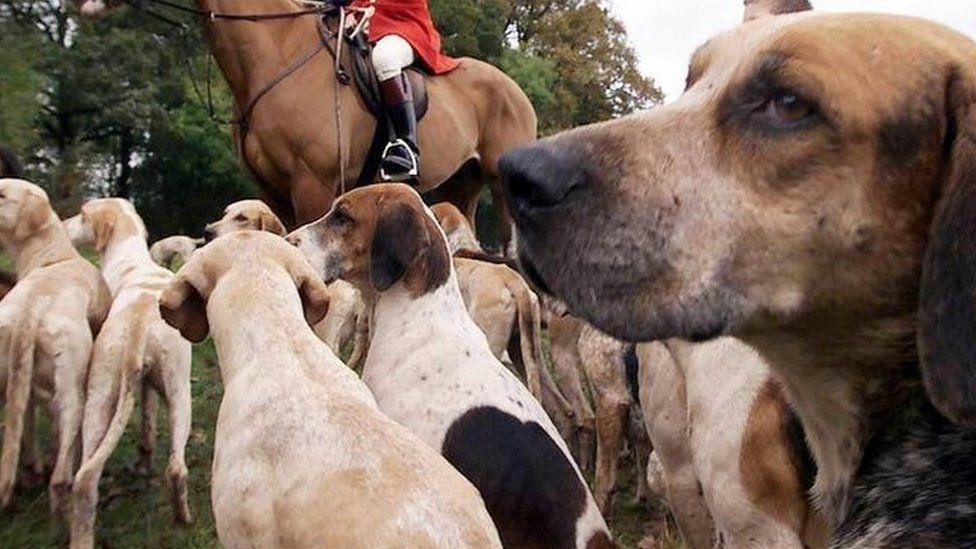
[597, 73]
[189, 174]
[20, 88]
[473, 28]
[536, 75]
[117, 116]
[572, 57]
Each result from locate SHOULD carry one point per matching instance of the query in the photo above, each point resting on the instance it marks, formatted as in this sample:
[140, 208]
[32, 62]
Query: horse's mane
[9, 164]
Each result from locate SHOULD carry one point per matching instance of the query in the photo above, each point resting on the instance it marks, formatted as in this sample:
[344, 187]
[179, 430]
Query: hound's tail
[530, 332]
[537, 375]
[131, 374]
[20, 358]
[360, 340]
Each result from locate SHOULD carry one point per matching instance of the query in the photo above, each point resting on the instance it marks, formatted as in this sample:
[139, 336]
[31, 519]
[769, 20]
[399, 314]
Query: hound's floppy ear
[408, 244]
[396, 243]
[312, 290]
[102, 225]
[271, 224]
[34, 214]
[947, 307]
[183, 308]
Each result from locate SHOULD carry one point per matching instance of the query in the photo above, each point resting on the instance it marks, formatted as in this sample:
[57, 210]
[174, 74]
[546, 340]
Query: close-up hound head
[241, 255]
[24, 209]
[377, 237]
[103, 220]
[818, 171]
[245, 215]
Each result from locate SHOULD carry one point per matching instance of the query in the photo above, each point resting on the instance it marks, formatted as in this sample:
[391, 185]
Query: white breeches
[391, 54]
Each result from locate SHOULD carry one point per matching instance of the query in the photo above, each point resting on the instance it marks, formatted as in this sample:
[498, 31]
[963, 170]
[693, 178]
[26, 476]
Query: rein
[342, 77]
[212, 15]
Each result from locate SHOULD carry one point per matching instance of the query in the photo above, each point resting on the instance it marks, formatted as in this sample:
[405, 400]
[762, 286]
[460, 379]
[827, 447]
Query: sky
[666, 32]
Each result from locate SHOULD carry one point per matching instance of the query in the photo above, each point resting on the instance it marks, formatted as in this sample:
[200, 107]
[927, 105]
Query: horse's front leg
[311, 197]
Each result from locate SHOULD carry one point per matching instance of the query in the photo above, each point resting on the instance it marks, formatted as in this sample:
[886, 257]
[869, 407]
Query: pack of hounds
[834, 241]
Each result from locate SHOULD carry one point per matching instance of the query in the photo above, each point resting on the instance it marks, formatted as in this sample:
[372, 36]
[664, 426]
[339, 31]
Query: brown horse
[476, 114]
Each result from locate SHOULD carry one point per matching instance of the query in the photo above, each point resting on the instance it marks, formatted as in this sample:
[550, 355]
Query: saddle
[368, 85]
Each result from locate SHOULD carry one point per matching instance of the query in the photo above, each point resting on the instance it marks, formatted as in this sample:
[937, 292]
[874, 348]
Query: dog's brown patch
[600, 540]
[771, 469]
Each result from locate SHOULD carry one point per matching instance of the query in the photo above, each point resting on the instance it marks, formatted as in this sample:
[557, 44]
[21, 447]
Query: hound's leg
[30, 453]
[176, 389]
[148, 431]
[70, 373]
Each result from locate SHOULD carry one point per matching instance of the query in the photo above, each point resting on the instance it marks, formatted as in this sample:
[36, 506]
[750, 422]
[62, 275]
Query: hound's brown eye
[340, 217]
[788, 108]
[240, 217]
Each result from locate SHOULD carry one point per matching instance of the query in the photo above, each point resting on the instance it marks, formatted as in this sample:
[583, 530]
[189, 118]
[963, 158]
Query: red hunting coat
[410, 19]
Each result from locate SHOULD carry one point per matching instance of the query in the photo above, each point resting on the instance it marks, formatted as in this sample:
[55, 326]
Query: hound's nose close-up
[540, 177]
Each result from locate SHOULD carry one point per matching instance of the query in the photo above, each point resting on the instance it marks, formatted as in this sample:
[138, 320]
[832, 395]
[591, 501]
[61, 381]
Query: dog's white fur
[47, 325]
[303, 457]
[498, 300]
[135, 350]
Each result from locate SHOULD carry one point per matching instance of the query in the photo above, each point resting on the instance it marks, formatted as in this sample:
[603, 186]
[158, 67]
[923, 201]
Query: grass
[135, 511]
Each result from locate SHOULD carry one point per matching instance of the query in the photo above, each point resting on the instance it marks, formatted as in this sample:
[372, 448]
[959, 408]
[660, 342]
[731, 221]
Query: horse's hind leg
[502, 215]
[464, 190]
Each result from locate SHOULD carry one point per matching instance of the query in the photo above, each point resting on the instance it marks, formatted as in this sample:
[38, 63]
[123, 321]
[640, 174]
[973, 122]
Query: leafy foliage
[19, 88]
[572, 57]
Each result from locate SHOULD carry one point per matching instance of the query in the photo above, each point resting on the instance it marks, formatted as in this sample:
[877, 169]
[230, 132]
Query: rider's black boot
[401, 158]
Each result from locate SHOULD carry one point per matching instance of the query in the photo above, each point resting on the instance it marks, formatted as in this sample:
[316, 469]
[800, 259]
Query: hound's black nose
[209, 234]
[540, 176]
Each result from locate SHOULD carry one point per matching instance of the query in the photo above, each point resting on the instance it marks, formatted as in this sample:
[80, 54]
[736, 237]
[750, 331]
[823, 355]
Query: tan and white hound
[47, 325]
[134, 352]
[302, 455]
[431, 369]
[164, 252]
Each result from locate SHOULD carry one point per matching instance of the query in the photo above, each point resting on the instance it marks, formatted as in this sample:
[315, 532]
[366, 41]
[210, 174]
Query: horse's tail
[530, 332]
